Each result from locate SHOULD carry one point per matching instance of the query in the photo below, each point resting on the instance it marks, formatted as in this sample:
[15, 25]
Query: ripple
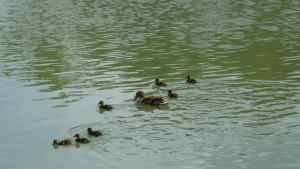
[245, 56]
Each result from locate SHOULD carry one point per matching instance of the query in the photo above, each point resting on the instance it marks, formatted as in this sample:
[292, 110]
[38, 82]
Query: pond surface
[58, 58]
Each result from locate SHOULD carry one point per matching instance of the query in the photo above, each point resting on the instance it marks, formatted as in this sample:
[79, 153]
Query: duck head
[188, 77]
[101, 103]
[157, 80]
[89, 130]
[55, 141]
[139, 94]
[169, 91]
[76, 135]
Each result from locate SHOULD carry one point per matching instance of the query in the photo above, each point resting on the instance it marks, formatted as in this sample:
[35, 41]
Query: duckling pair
[78, 139]
[91, 132]
[158, 82]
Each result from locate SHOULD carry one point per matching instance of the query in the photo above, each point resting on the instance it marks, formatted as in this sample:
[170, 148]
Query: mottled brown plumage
[62, 142]
[149, 100]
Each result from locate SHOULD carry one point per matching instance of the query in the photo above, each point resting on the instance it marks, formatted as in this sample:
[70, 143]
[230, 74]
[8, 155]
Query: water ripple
[245, 56]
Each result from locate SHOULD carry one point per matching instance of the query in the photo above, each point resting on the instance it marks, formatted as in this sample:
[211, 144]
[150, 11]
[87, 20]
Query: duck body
[149, 100]
[160, 83]
[81, 140]
[170, 94]
[62, 142]
[104, 106]
[94, 132]
[190, 80]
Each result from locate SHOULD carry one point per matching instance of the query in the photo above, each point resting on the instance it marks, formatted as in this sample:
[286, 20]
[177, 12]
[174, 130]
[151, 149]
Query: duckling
[81, 140]
[62, 142]
[150, 100]
[189, 80]
[159, 82]
[93, 133]
[104, 106]
[170, 94]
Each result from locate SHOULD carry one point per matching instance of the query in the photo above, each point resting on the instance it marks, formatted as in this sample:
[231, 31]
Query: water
[59, 57]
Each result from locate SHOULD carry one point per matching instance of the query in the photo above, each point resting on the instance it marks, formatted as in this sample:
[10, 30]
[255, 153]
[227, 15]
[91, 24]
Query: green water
[59, 57]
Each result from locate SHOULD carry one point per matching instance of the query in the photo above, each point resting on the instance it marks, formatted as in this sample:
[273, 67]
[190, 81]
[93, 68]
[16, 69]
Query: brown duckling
[190, 80]
[170, 94]
[159, 82]
[93, 132]
[104, 106]
[81, 140]
[61, 142]
[149, 100]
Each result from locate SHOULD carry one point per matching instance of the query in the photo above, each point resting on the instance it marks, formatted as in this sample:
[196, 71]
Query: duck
[62, 142]
[159, 82]
[170, 94]
[189, 80]
[149, 100]
[93, 132]
[81, 140]
[104, 106]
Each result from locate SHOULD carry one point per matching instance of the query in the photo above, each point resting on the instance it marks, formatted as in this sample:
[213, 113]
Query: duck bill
[163, 103]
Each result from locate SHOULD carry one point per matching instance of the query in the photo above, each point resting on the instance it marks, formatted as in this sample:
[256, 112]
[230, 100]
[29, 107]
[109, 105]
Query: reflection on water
[244, 54]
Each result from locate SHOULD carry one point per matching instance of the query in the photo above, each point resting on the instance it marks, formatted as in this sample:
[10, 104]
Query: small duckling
[159, 82]
[61, 142]
[104, 106]
[94, 133]
[189, 80]
[81, 140]
[170, 94]
[150, 100]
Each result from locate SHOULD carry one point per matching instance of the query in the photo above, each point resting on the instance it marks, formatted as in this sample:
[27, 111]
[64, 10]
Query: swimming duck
[104, 106]
[189, 80]
[150, 100]
[170, 94]
[81, 140]
[159, 82]
[94, 133]
[61, 142]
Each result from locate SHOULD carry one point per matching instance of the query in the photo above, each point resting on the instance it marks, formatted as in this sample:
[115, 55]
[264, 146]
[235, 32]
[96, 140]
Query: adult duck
[93, 132]
[159, 82]
[81, 140]
[61, 142]
[149, 100]
[170, 94]
[190, 80]
[104, 106]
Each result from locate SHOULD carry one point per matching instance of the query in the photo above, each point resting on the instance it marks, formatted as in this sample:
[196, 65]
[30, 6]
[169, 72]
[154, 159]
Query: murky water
[59, 57]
